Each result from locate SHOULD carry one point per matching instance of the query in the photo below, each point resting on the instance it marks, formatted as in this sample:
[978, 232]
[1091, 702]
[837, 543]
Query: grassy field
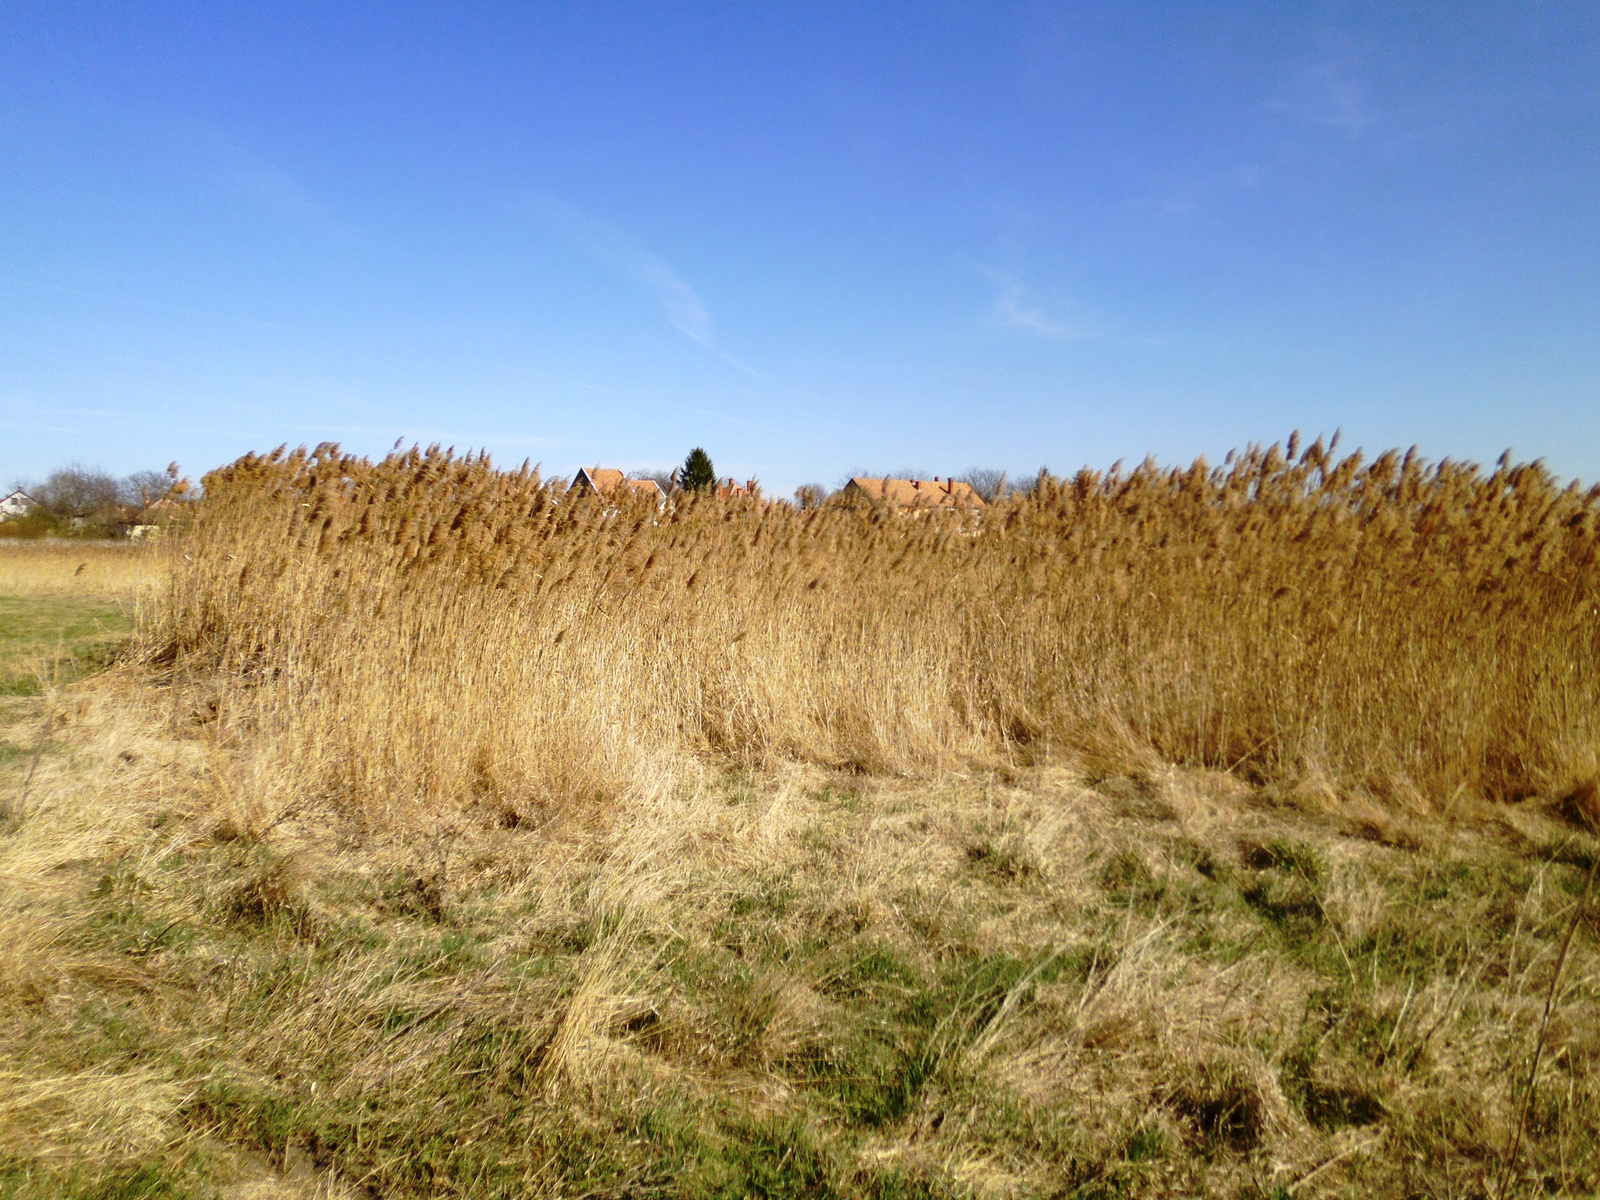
[118, 572]
[618, 862]
[65, 611]
[47, 641]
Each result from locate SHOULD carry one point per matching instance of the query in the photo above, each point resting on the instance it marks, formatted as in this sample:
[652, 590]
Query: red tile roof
[918, 493]
[604, 481]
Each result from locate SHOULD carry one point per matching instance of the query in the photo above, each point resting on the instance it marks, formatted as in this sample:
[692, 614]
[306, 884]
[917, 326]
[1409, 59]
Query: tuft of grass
[718, 1002]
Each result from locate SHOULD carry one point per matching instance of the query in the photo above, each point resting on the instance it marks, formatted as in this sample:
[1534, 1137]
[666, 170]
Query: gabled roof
[915, 493]
[646, 487]
[604, 481]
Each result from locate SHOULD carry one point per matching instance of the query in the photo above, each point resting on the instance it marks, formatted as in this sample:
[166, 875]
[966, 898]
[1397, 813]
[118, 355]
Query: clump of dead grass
[87, 1118]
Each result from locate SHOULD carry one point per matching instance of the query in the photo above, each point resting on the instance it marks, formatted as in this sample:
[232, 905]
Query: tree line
[79, 501]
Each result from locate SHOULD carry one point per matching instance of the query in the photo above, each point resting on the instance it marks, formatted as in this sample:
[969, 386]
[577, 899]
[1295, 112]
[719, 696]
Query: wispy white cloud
[1014, 310]
[1330, 93]
[801, 431]
[102, 297]
[32, 427]
[684, 309]
[260, 182]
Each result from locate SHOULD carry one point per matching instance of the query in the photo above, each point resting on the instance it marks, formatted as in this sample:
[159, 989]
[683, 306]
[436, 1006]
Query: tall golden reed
[429, 630]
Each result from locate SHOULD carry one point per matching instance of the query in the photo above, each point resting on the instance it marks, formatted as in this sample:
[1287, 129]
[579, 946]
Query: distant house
[611, 484]
[152, 520]
[932, 493]
[727, 489]
[17, 504]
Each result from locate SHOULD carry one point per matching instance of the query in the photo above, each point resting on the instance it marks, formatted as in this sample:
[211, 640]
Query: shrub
[35, 523]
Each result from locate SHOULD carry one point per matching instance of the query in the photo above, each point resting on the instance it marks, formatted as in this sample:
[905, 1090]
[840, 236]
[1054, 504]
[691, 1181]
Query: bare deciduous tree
[662, 479]
[76, 492]
[144, 488]
[810, 495]
[988, 482]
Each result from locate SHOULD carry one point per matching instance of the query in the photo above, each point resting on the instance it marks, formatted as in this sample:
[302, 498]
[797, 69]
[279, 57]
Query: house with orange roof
[727, 489]
[611, 484]
[932, 494]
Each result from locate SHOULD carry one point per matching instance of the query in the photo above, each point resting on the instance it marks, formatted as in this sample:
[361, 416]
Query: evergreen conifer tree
[697, 472]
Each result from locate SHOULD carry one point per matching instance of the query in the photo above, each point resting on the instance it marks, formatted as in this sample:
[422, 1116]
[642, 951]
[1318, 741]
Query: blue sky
[808, 237]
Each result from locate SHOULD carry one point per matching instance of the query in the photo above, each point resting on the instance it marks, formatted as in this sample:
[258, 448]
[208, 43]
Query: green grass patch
[148, 1181]
[61, 638]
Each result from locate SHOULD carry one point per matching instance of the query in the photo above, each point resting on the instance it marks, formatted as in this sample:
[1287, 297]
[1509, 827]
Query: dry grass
[96, 570]
[557, 851]
[427, 628]
[804, 982]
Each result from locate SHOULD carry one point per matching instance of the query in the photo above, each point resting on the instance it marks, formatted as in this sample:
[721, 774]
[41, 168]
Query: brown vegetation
[426, 628]
[116, 571]
[1161, 833]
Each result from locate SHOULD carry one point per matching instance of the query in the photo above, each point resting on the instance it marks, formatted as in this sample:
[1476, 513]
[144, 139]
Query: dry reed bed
[428, 629]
